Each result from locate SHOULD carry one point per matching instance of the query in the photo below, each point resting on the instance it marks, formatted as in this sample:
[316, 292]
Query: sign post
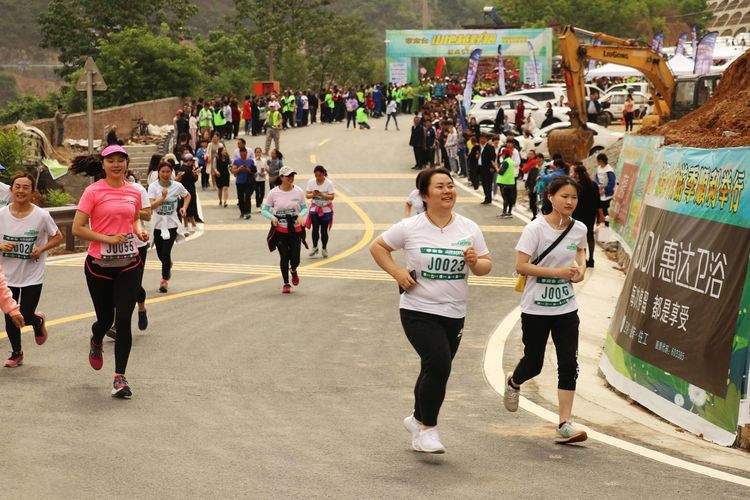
[90, 80]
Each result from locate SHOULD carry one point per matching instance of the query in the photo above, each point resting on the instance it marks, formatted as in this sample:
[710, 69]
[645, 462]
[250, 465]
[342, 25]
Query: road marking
[346, 226]
[358, 199]
[313, 159]
[325, 272]
[324, 142]
[362, 243]
[493, 372]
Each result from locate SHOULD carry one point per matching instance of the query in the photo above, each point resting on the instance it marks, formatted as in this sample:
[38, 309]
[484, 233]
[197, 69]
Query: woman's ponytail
[90, 165]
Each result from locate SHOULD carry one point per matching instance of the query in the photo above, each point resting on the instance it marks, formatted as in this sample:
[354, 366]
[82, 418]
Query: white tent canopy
[612, 70]
[681, 65]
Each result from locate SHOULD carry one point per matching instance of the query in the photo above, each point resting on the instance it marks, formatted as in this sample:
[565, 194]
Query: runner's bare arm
[52, 242]
[81, 229]
[381, 253]
[525, 267]
[480, 266]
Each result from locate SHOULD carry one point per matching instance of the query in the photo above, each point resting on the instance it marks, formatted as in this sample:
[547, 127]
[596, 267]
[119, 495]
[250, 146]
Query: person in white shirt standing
[321, 192]
[442, 248]
[391, 110]
[28, 233]
[607, 181]
[551, 253]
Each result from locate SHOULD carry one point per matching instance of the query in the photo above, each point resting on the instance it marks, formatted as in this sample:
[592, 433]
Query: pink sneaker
[15, 360]
[286, 289]
[40, 334]
[295, 278]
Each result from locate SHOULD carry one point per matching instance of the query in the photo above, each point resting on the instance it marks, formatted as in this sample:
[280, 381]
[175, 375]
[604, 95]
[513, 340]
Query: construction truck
[672, 97]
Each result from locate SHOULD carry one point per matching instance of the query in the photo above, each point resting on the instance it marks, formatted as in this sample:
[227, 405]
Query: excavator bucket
[573, 143]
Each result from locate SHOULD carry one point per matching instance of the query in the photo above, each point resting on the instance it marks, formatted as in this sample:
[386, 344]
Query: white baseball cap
[287, 170]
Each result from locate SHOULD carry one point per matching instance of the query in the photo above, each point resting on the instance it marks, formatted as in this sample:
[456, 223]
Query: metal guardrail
[63, 217]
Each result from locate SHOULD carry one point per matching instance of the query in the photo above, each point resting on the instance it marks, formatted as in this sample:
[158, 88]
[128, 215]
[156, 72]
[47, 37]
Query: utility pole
[90, 80]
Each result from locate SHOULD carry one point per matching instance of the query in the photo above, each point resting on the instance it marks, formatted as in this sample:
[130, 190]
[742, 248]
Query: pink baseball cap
[113, 149]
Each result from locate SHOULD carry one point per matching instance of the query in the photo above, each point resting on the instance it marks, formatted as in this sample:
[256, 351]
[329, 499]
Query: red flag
[439, 67]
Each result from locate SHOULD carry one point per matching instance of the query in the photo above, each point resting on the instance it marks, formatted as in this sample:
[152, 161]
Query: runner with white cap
[284, 206]
[108, 217]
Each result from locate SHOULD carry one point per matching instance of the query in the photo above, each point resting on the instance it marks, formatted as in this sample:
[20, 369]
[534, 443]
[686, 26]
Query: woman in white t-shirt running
[164, 195]
[320, 192]
[548, 302]
[441, 248]
[27, 232]
[414, 200]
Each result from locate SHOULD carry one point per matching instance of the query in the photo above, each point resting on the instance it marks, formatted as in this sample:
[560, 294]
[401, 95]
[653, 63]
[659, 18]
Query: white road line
[493, 372]
[459, 182]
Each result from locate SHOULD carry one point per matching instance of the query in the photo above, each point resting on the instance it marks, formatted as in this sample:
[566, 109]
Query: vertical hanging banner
[471, 74]
[678, 341]
[535, 70]
[681, 41]
[500, 70]
[694, 41]
[657, 42]
[704, 54]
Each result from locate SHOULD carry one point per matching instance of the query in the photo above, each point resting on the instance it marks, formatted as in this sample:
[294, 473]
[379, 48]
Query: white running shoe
[428, 441]
[569, 433]
[325, 253]
[412, 425]
[314, 252]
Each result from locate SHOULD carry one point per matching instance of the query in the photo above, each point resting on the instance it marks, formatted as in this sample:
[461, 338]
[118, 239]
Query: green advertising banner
[403, 47]
[678, 341]
[633, 175]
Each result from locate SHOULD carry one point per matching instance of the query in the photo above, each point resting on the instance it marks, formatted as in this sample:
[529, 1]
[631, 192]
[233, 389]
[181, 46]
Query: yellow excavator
[671, 97]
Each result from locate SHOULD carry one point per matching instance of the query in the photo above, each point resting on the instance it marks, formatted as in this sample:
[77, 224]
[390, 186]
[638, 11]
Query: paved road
[240, 391]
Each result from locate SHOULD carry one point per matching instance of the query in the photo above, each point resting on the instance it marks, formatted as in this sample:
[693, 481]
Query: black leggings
[114, 292]
[260, 192]
[508, 192]
[164, 251]
[351, 116]
[436, 339]
[27, 298]
[536, 329]
[388, 120]
[288, 245]
[319, 231]
[142, 292]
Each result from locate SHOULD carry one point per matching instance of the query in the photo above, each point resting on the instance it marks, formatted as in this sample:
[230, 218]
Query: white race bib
[120, 251]
[553, 292]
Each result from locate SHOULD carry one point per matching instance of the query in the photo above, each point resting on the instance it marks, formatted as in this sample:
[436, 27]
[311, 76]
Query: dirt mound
[723, 121]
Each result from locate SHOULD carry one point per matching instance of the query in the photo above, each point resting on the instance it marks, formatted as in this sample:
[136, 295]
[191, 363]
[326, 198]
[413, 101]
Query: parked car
[616, 102]
[641, 87]
[603, 137]
[590, 87]
[485, 109]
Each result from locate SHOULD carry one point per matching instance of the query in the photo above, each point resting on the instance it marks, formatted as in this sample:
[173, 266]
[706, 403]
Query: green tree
[12, 153]
[77, 28]
[139, 65]
[227, 63]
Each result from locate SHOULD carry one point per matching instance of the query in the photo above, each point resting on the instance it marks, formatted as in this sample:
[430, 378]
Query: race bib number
[120, 251]
[22, 246]
[443, 264]
[281, 215]
[320, 202]
[553, 292]
[167, 208]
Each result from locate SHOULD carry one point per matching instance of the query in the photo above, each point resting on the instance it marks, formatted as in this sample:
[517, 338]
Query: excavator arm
[575, 143]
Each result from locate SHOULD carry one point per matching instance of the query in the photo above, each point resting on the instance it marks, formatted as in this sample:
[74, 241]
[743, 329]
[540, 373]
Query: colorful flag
[536, 68]
[694, 41]
[500, 70]
[704, 54]
[471, 74]
[657, 42]
[592, 61]
[439, 67]
[680, 50]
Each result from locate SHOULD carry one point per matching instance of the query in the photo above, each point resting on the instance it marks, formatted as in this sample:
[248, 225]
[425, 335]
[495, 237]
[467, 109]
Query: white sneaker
[412, 425]
[314, 252]
[510, 399]
[569, 433]
[428, 441]
[325, 253]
